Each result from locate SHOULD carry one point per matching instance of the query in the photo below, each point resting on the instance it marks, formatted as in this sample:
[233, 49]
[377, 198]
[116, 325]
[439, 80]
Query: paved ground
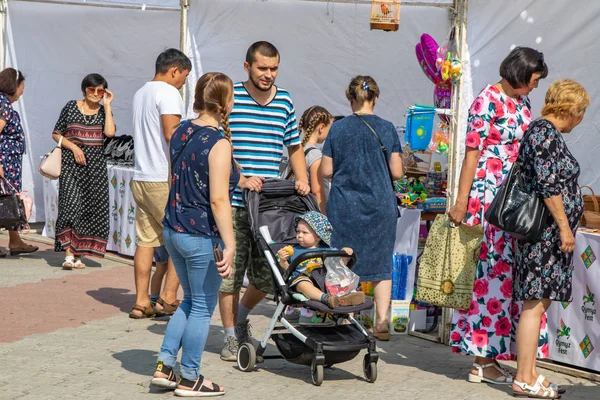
[66, 335]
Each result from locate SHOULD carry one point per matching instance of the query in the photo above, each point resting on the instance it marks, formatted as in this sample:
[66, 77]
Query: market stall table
[122, 237]
[573, 327]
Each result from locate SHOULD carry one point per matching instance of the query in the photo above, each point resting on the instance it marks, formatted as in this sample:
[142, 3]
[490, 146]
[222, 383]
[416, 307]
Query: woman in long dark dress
[83, 210]
[12, 147]
[362, 202]
[543, 270]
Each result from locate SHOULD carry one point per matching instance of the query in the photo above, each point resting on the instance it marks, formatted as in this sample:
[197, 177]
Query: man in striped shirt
[262, 123]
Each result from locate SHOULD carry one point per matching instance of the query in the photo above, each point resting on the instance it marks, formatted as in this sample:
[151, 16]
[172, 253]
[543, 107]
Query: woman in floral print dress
[12, 148]
[497, 120]
[543, 269]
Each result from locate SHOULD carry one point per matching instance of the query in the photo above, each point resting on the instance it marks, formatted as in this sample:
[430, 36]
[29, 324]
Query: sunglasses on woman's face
[97, 91]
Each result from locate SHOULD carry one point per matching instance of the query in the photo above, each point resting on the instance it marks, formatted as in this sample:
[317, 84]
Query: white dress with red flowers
[488, 329]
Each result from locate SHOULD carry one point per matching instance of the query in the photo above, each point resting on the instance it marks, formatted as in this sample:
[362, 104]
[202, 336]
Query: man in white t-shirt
[157, 111]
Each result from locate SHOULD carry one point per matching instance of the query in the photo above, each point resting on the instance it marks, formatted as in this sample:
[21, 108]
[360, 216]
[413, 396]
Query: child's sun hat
[318, 223]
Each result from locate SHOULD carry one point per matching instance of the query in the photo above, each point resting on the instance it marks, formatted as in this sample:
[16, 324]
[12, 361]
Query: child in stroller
[273, 216]
[313, 231]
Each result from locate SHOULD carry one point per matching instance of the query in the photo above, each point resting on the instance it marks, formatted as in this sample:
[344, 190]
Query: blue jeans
[194, 261]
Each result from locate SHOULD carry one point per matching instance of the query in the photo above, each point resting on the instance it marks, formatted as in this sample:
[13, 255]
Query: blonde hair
[565, 98]
[361, 89]
[311, 118]
[213, 93]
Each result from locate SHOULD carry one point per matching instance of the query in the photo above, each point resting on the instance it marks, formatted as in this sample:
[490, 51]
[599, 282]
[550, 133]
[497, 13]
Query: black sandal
[170, 382]
[197, 390]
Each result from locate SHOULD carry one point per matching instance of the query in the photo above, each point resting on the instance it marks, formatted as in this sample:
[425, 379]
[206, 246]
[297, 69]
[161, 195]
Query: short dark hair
[520, 65]
[93, 80]
[10, 79]
[338, 117]
[172, 58]
[265, 49]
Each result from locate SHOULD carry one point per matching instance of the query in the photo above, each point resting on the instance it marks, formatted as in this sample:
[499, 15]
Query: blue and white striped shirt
[258, 134]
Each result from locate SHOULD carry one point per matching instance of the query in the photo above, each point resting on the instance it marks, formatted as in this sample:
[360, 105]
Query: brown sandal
[383, 336]
[25, 249]
[167, 309]
[147, 312]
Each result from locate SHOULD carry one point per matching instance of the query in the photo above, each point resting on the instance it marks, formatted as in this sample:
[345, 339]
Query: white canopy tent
[56, 43]
[566, 32]
[322, 43]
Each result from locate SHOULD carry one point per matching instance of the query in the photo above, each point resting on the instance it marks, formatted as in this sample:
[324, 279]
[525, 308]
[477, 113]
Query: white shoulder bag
[50, 165]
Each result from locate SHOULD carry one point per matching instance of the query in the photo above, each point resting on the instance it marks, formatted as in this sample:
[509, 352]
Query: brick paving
[66, 335]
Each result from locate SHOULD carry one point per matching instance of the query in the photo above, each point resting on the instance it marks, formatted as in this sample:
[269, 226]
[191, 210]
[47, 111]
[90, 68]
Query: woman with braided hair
[198, 221]
[315, 124]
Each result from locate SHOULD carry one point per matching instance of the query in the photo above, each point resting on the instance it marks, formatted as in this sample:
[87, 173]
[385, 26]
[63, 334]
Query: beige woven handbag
[449, 263]
[591, 210]
[50, 164]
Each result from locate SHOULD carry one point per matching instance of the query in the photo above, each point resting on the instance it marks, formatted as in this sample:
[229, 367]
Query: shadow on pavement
[121, 298]
[141, 362]
[283, 368]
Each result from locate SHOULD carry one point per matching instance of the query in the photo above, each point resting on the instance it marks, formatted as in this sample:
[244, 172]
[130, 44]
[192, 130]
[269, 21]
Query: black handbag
[12, 209]
[522, 215]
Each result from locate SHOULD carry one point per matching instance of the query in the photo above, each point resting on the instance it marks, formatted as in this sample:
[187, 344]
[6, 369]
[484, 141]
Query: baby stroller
[275, 208]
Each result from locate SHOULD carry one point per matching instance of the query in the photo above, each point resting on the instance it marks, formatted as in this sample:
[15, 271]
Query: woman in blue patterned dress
[543, 270]
[362, 203]
[12, 146]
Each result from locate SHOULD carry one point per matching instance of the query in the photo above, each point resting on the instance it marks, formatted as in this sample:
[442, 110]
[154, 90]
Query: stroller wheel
[369, 369]
[246, 357]
[316, 373]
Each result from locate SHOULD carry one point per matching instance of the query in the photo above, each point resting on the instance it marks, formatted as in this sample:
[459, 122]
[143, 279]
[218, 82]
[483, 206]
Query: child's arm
[283, 257]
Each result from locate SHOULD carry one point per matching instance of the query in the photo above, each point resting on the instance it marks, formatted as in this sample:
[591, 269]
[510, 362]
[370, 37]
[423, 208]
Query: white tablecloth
[574, 328]
[122, 237]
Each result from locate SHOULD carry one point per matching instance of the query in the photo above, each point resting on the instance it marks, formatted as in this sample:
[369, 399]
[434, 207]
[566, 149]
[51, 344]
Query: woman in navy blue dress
[12, 147]
[362, 203]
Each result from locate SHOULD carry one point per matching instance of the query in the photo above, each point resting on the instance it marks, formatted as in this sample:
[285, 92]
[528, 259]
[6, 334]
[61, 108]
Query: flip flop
[78, 264]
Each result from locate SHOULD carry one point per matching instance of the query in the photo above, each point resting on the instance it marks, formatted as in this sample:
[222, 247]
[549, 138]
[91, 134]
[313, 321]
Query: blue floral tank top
[188, 209]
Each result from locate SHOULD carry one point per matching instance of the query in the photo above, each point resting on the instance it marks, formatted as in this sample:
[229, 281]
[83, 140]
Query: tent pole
[185, 5]
[3, 24]
[454, 163]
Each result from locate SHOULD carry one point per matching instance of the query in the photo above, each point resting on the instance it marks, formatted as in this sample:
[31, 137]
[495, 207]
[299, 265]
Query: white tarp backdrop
[56, 45]
[127, 3]
[566, 32]
[322, 45]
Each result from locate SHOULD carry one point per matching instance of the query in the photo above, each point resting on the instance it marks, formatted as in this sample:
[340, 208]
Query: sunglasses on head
[97, 91]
